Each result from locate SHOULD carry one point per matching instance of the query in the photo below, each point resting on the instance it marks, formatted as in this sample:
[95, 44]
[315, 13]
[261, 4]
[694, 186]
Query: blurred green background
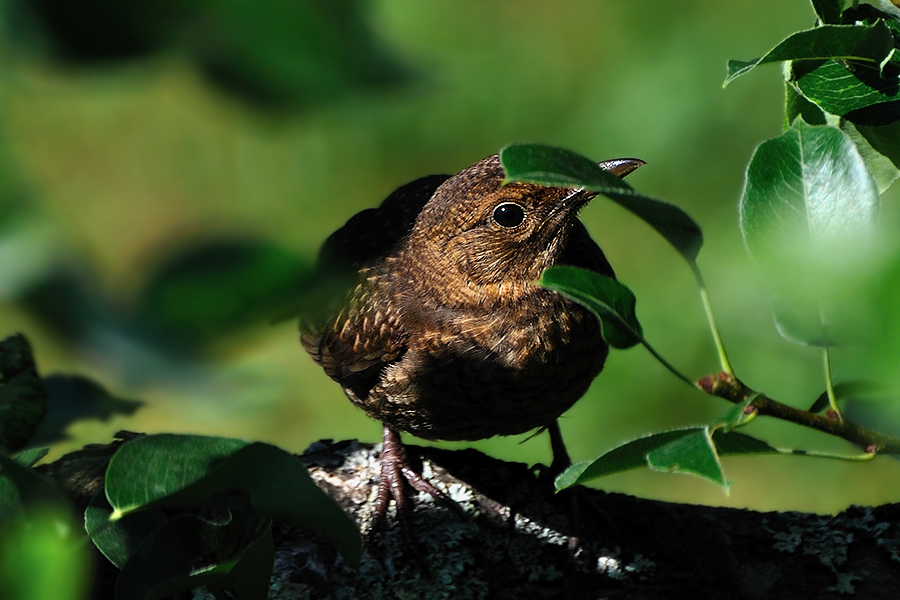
[131, 181]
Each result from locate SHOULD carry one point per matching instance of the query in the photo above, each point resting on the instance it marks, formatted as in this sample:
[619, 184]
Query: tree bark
[520, 540]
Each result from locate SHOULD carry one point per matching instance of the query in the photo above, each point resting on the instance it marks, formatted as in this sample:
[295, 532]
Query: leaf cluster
[176, 511]
[271, 55]
[810, 218]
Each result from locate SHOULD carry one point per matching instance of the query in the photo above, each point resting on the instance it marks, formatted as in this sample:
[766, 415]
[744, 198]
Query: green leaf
[796, 105]
[739, 444]
[734, 416]
[846, 391]
[149, 469]
[23, 399]
[628, 456]
[612, 302]
[693, 454]
[167, 560]
[22, 487]
[683, 450]
[856, 91]
[42, 556]
[28, 458]
[193, 471]
[828, 11]
[249, 579]
[555, 167]
[118, 540]
[879, 148]
[807, 210]
[872, 43]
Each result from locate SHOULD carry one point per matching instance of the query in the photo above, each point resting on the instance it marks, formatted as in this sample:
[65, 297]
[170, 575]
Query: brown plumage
[445, 333]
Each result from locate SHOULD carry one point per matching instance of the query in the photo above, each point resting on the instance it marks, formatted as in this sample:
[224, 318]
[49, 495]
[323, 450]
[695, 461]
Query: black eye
[509, 214]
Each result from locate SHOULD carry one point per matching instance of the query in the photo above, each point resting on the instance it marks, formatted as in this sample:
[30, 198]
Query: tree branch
[732, 389]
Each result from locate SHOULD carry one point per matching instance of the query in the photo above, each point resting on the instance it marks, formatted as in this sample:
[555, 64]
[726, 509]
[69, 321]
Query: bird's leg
[577, 495]
[561, 460]
[395, 470]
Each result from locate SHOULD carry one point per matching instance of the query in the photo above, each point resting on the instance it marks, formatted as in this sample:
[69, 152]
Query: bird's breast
[494, 367]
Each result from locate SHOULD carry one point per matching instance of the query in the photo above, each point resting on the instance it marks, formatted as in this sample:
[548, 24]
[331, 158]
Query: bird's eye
[509, 214]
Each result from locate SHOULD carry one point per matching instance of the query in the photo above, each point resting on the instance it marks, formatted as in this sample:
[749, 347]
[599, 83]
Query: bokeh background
[168, 171]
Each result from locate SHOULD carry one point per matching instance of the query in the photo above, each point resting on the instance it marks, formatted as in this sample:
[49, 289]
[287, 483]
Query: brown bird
[444, 333]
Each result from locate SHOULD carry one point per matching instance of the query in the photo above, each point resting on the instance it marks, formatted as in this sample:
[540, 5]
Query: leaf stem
[865, 456]
[666, 364]
[829, 383]
[732, 389]
[707, 306]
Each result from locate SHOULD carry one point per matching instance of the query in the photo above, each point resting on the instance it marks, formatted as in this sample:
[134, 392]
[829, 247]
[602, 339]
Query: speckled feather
[445, 334]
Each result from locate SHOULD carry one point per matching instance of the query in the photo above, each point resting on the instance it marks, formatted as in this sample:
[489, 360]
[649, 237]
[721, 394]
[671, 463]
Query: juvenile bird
[444, 333]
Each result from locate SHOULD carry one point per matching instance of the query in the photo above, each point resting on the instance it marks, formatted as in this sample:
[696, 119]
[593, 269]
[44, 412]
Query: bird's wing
[359, 343]
[371, 234]
[582, 251]
[358, 338]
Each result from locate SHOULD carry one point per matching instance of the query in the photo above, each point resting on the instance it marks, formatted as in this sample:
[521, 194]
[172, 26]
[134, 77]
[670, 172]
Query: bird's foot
[396, 474]
[561, 460]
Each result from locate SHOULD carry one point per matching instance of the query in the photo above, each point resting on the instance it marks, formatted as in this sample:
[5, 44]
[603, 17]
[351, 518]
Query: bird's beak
[621, 166]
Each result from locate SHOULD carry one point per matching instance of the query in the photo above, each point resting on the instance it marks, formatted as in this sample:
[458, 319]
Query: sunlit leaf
[879, 148]
[119, 539]
[809, 205]
[193, 471]
[872, 43]
[797, 105]
[628, 456]
[693, 454]
[555, 167]
[612, 302]
[30, 457]
[859, 92]
[149, 469]
[682, 450]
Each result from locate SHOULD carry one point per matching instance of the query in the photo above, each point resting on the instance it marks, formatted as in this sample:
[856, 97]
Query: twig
[732, 389]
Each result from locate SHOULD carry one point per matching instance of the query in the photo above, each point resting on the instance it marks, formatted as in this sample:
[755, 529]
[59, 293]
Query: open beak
[621, 166]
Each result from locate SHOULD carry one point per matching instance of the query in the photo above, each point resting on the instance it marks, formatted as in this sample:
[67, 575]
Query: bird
[441, 329]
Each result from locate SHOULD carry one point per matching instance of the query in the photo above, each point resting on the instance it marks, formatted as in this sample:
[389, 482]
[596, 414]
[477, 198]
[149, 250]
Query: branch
[732, 389]
[520, 540]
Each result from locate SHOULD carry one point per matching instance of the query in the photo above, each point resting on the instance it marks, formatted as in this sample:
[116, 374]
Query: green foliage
[177, 512]
[612, 302]
[556, 167]
[23, 398]
[809, 215]
[282, 55]
[808, 201]
[871, 43]
[208, 292]
[247, 484]
[848, 70]
[42, 557]
[809, 206]
[692, 450]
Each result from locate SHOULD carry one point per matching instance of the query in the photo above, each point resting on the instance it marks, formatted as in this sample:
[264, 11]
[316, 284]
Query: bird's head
[490, 233]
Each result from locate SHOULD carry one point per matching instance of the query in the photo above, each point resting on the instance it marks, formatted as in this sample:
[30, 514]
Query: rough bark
[519, 540]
